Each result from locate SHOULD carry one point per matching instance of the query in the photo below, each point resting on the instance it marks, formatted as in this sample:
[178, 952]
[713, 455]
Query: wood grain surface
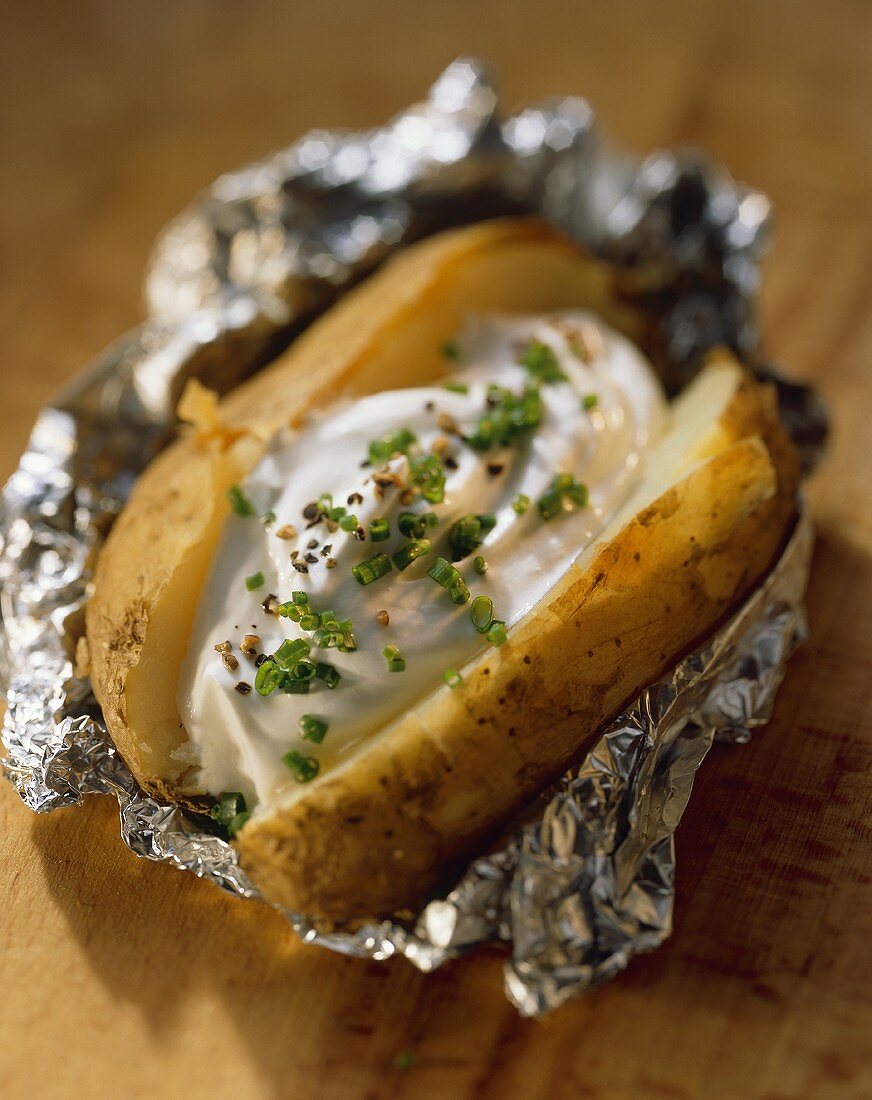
[122, 978]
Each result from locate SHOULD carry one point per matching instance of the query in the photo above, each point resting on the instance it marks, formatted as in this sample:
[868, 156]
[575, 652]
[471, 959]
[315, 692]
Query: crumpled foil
[587, 882]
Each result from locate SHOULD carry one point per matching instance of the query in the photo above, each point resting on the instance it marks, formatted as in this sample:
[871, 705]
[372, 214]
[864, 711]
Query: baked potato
[376, 831]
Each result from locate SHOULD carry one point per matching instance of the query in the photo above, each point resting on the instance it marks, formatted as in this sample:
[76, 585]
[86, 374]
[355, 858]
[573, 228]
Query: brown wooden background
[122, 978]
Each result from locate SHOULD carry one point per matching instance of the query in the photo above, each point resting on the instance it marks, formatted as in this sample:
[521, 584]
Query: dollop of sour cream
[239, 737]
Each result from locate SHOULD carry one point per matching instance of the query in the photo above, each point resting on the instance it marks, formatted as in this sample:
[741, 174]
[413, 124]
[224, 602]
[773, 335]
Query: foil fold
[588, 880]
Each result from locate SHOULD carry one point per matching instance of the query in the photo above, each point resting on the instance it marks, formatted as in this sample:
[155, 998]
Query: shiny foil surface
[587, 881]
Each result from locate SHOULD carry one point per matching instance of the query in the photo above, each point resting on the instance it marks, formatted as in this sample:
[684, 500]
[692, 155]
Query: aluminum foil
[587, 882]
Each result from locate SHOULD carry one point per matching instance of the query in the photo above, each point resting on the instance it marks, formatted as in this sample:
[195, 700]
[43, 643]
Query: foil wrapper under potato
[587, 881]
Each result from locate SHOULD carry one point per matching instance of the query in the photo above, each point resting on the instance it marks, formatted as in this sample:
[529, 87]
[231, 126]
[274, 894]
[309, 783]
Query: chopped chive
[268, 517]
[413, 550]
[230, 811]
[396, 662]
[508, 416]
[327, 674]
[268, 677]
[239, 502]
[428, 474]
[456, 387]
[521, 503]
[496, 635]
[452, 677]
[303, 670]
[289, 610]
[301, 599]
[442, 572]
[303, 768]
[414, 525]
[292, 686]
[254, 581]
[399, 442]
[479, 565]
[313, 728]
[467, 533]
[589, 401]
[365, 572]
[348, 523]
[551, 504]
[542, 363]
[451, 349]
[290, 652]
[379, 529]
[310, 621]
[227, 807]
[563, 486]
[459, 592]
[445, 574]
[481, 612]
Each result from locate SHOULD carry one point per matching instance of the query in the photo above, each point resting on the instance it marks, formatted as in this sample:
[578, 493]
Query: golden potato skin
[374, 836]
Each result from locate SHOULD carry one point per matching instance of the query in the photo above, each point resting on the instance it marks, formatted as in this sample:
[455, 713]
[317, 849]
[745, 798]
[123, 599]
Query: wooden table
[124, 978]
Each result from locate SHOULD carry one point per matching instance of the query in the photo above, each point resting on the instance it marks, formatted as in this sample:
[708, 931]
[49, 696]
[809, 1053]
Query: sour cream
[238, 738]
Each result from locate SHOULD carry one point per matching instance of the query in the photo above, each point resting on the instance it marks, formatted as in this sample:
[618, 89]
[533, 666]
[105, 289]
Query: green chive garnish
[415, 525]
[445, 574]
[365, 572]
[551, 504]
[589, 401]
[327, 674]
[267, 518]
[303, 768]
[479, 565]
[451, 350]
[481, 612]
[508, 416]
[379, 529]
[254, 581]
[452, 677]
[411, 552]
[239, 502]
[456, 387]
[468, 533]
[399, 442]
[268, 677]
[313, 728]
[497, 633]
[428, 474]
[563, 487]
[521, 503]
[230, 811]
[396, 662]
[292, 686]
[290, 652]
[348, 523]
[303, 670]
[542, 363]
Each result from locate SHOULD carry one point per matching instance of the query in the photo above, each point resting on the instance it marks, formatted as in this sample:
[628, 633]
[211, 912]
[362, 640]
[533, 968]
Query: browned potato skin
[373, 837]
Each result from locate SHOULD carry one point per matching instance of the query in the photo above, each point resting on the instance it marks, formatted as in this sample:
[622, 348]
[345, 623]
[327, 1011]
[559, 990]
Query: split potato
[376, 834]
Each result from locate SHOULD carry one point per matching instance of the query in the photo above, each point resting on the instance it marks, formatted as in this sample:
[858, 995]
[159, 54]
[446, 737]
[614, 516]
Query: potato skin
[374, 836]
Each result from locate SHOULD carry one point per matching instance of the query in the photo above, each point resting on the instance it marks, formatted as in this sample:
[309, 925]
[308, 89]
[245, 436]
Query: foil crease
[588, 880]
